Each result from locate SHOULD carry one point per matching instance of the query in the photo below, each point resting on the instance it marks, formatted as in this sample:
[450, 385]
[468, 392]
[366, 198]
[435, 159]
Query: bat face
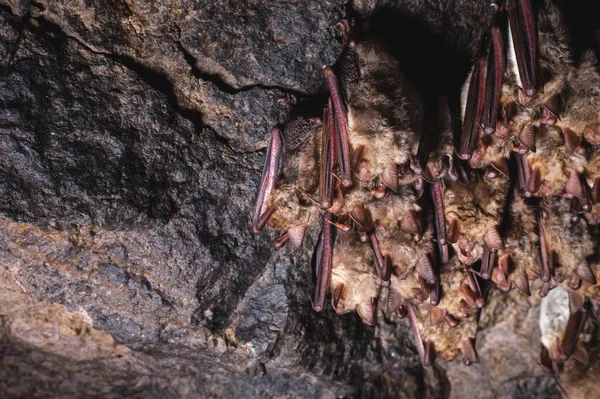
[419, 218]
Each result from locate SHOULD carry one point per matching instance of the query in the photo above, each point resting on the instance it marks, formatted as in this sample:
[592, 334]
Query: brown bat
[419, 216]
[290, 177]
[545, 119]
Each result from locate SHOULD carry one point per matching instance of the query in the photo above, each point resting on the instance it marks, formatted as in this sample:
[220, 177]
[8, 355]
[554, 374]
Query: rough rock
[132, 136]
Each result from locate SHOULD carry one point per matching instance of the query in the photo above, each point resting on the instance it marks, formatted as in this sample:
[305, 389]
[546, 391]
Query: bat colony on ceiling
[420, 214]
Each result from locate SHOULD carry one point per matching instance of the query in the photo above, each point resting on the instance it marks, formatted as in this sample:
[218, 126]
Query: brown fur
[384, 112]
[385, 117]
[521, 239]
[581, 112]
[478, 206]
[559, 77]
[555, 163]
[554, 61]
[298, 180]
[448, 340]
[353, 266]
[570, 240]
[581, 380]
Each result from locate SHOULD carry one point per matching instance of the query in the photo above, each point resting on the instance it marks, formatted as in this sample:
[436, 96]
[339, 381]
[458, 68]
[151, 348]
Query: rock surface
[132, 136]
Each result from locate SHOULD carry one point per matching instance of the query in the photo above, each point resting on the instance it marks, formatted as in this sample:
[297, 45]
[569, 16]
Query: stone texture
[131, 144]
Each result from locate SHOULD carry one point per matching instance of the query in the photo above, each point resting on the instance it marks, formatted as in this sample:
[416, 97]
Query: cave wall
[132, 137]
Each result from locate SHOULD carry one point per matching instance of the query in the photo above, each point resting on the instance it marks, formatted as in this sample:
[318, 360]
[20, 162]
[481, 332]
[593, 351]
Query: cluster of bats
[422, 210]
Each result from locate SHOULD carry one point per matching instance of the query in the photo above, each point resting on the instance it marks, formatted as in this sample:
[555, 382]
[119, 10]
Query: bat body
[419, 218]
